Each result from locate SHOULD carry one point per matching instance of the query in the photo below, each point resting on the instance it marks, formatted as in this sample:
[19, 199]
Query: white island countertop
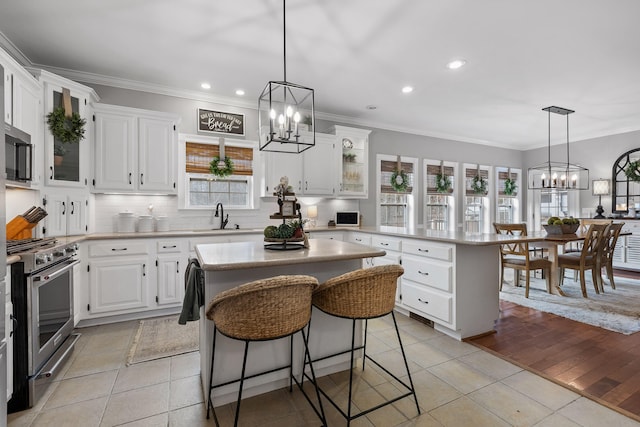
[241, 255]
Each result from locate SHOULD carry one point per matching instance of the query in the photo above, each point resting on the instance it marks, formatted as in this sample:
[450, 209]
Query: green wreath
[399, 181]
[215, 169]
[479, 185]
[443, 183]
[68, 130]
[510, 186]
[633, 171]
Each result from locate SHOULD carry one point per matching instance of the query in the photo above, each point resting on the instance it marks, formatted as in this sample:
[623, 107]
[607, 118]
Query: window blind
[199, 155]
[386, 171]
[469, 174]
[502, 177]
[432, 171]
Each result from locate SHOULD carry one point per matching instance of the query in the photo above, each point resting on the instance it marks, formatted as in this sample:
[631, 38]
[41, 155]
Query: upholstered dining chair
[587, 258]
[268, 309]
[519, 257]
[605, 257]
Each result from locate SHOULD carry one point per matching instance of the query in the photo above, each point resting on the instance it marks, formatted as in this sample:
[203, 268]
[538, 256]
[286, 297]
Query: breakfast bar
[227, 265]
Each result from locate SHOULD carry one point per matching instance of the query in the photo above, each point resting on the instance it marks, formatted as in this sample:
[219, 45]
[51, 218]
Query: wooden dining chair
[605, 257]
[518, 257]
[586, 259]
[584, 226]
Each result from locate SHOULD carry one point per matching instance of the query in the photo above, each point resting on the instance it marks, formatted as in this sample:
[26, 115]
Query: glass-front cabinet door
[353, 149]
[439, 197]
[67, 164]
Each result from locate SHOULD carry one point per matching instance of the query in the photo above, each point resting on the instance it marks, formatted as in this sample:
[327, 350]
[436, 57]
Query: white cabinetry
[171, 263]
[135, 150]
[71, 169]
[352, 160]
[67, 214]
[23, 108]
[118, 276]
[310, 173]
[131, 276]
[428, 279]
[393, 247]
[627, 253]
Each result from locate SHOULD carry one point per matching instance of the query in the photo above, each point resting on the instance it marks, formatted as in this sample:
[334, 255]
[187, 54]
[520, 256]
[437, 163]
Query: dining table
[554, 242]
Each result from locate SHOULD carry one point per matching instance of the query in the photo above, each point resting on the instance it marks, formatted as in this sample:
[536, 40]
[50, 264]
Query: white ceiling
[522, 56]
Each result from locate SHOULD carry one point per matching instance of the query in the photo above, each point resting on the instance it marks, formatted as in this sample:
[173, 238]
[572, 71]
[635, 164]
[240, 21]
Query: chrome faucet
[223, 220]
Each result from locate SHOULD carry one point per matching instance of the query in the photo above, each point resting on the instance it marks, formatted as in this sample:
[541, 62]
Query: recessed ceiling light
[239, 92]
[371, 107]
[407, 89]
[205, 86]
[455, 64]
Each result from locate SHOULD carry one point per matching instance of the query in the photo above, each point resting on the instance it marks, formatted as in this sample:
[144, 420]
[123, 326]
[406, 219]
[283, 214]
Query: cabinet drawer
[388, 243]
[434, 273]
[428, 249]
[118, 248]
[427, 301]
[360, 238]
[168, 246]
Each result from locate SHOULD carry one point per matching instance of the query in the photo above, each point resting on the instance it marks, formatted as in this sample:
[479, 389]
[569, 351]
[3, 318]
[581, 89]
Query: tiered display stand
[289, 208]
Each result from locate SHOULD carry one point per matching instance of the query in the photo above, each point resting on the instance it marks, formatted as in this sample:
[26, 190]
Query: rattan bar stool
[262, 310]
[362, 295]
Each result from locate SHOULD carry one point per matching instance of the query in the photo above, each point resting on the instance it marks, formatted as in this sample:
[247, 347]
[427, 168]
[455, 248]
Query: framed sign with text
[220, 122]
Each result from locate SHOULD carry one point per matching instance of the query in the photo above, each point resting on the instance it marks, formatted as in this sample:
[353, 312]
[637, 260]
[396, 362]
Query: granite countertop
[240, 255]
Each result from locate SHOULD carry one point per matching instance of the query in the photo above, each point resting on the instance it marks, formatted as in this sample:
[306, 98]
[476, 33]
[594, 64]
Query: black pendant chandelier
[283, 109]
[558, 175]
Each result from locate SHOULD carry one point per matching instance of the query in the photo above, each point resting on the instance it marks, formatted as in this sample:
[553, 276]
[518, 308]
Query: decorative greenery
[479, 185]
[69, 130]
[349, 157]
[633, 171]
[510, 186]
[443, 183]
[59, 150]
[216, 170]
[399, 181]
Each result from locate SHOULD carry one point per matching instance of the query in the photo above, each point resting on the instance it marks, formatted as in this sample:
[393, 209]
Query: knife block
[19, 228]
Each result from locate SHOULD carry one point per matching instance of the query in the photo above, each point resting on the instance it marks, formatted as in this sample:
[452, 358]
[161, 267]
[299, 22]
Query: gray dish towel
[193, 292]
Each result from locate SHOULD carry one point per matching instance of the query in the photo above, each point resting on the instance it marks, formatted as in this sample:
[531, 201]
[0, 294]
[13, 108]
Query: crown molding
[13, 51]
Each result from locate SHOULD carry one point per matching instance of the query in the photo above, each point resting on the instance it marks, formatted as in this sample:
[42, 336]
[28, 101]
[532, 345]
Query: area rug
[616, 309]
[163, 337]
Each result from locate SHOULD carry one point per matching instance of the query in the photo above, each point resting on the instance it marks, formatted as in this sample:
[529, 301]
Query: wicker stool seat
[361, 295]
[262, 310]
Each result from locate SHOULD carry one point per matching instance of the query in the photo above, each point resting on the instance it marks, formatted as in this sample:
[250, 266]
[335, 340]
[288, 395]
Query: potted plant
[58, 154]
[349, 157]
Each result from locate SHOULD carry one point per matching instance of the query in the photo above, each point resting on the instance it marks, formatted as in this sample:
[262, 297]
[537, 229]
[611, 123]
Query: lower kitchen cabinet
[135, 275]
[118, 284]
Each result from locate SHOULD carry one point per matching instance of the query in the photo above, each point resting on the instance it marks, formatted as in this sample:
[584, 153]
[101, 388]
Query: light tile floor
[457, 385]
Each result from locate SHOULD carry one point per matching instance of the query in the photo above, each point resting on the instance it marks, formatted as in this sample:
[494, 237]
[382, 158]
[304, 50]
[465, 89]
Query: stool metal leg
[305, 339]
[209, 399]
[364, 346]
[244, 368]
[353, 344]
[404, 357]
[291, 363]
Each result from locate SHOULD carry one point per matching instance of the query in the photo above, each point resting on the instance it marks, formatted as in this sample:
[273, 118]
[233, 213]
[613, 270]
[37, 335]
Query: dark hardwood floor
[597, 363]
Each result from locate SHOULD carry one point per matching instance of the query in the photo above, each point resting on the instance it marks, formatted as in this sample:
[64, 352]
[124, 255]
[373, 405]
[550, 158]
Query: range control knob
[58, 252]
[41, 259]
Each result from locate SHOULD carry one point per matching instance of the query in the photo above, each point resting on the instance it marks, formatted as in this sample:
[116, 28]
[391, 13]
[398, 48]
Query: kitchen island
[227, 265]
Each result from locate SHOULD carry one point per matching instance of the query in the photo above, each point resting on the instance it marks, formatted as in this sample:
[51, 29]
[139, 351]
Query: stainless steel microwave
[18, 154]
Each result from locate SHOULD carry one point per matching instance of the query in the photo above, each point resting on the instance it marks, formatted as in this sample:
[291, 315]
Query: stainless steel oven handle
[62, 268]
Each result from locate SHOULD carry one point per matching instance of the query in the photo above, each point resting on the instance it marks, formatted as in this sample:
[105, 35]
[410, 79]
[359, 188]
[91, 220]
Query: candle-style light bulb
[574, 180]
[281, 125]
[296, 119]
[543, 177]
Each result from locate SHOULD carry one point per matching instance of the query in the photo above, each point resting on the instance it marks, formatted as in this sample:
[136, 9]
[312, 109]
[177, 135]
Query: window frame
[412, 197]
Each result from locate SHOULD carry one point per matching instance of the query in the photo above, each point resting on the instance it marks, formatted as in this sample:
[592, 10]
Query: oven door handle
[62, 268]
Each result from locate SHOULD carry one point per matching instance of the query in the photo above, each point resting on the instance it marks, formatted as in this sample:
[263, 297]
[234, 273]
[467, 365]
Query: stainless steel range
[42, 296]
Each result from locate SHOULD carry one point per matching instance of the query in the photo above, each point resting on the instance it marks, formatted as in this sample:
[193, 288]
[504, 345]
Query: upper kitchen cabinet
[66, 164]
[310, 173]
[23, 107]
[352, 162]
[135, 150]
